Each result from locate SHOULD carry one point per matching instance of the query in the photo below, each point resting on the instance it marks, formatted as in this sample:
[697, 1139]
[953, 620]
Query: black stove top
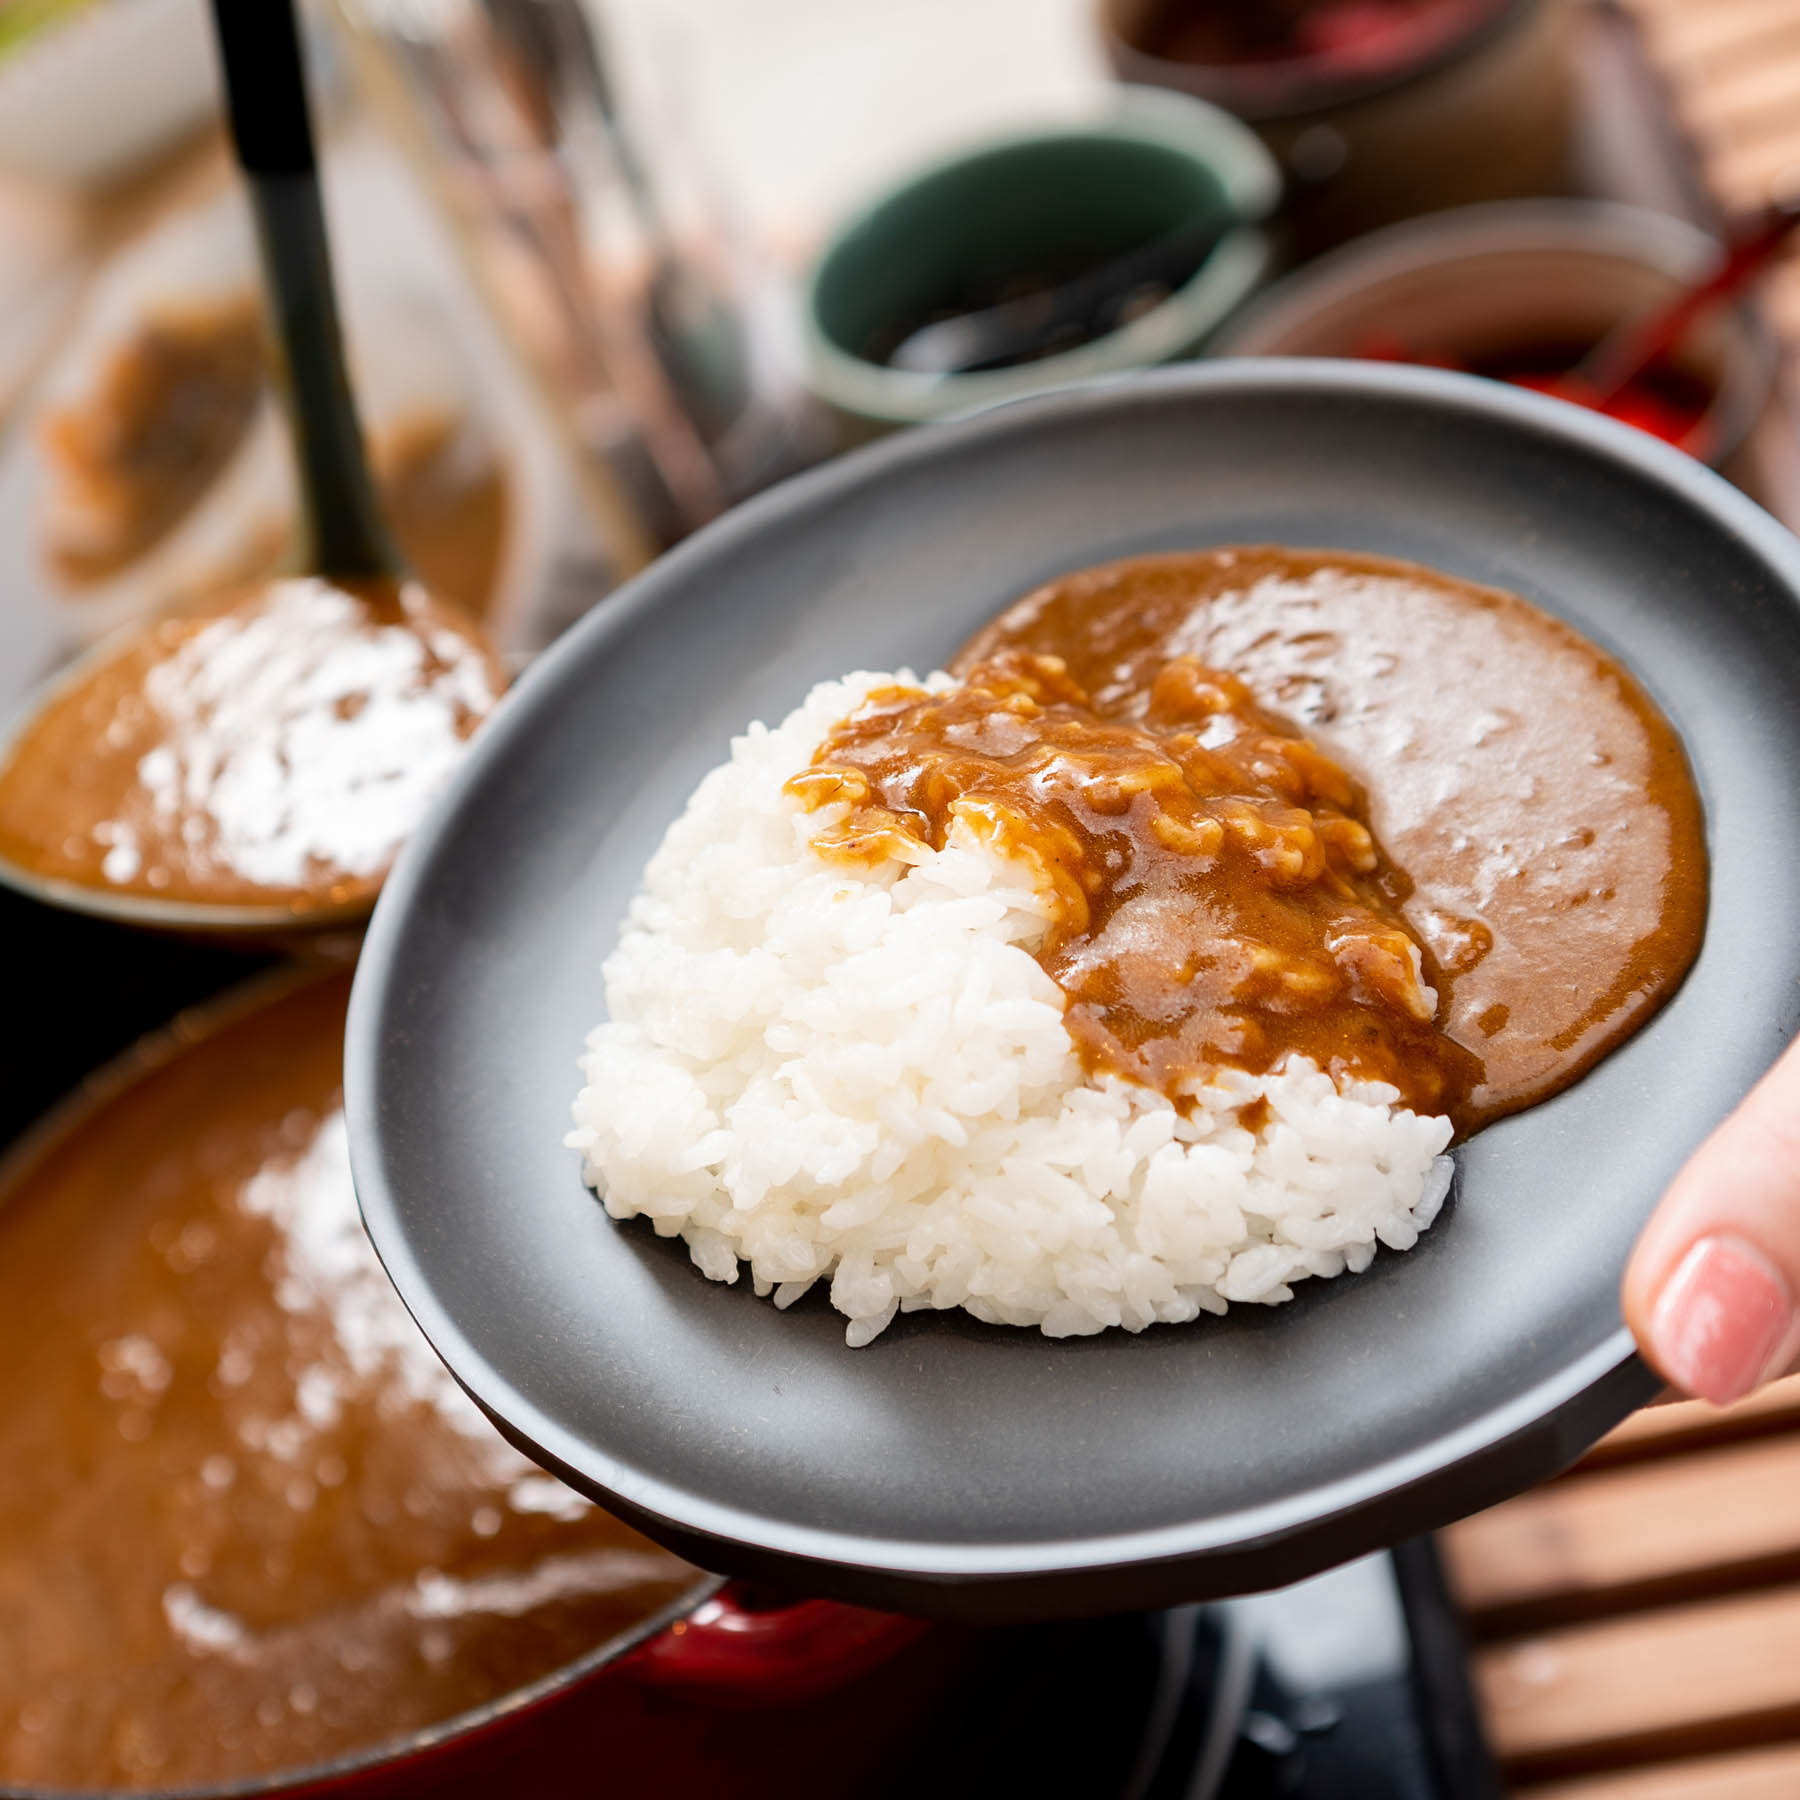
[1351, 1686]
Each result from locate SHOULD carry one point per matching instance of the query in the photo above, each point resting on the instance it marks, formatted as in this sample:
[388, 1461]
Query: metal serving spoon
[346, 544]
[1088, 306]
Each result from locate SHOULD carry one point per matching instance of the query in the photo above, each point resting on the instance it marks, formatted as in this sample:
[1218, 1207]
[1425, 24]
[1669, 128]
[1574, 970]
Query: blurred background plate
[440, 397]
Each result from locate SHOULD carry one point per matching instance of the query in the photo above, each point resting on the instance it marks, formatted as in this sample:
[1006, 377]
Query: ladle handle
[1625, 353]
[271, 127]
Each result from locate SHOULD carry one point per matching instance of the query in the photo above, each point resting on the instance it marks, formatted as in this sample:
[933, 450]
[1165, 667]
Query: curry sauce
[249, 1521]
[274, 753]
[1535, 824]
[1215, 895]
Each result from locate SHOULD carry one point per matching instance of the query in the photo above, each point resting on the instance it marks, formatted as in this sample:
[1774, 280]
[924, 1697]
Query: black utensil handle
[265, 86]
[271, 128]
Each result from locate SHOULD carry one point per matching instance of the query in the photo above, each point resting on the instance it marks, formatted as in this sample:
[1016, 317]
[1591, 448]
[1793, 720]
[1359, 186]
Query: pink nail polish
[1722, 1320]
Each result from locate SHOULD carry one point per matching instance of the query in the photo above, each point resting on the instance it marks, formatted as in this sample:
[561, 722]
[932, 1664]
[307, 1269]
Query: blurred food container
[1486, 286]
[148, 466]
[1017, 217]
[92, 89]
[652, 333]
[1377, 109]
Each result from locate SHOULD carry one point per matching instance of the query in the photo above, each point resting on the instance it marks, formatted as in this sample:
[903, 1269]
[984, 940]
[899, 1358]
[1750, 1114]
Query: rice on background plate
[862, 1074]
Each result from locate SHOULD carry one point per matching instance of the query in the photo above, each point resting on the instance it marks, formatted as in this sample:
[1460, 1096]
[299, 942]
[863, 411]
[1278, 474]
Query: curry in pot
[249, 1522]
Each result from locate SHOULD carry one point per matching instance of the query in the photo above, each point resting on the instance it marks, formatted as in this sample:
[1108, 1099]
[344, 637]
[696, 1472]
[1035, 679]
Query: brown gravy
[274, 753]
[1215, 895]
[1547, 844]
[249, 1522]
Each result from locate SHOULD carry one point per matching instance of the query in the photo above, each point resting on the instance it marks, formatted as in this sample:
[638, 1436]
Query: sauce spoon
[254, 768]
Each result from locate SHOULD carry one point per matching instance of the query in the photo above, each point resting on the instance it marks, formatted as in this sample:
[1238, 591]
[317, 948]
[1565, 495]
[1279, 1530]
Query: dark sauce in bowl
[1021, 220]
[1667, 399]
[1365, 36]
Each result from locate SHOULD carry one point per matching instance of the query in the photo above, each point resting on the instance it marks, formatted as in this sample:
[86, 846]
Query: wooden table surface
[1637, 1621]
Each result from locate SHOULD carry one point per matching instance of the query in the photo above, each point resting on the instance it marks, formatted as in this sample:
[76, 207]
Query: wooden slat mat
[1732, 71]
[1637, 1622]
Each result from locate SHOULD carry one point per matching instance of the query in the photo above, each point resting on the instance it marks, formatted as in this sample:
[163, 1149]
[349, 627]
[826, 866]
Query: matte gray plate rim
[1605, 1384]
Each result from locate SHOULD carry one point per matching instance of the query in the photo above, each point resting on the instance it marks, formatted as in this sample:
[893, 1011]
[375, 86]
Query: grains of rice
[863, 1076]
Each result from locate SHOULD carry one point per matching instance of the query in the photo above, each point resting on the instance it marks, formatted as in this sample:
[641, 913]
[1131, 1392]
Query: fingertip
[1710, 1289]
[1724, 1321]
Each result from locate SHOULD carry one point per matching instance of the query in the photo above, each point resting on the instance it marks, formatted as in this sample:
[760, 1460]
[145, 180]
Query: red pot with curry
[254, 1539]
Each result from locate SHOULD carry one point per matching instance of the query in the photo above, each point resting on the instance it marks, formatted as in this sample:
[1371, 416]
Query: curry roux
[274, 753]
[1532, 821]
[249, 1522]
[1214, 895]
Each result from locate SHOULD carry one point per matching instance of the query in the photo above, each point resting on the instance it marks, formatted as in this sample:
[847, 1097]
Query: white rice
[827, 1071]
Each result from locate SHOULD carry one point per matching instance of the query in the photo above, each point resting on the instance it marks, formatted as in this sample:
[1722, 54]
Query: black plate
[951, 1466]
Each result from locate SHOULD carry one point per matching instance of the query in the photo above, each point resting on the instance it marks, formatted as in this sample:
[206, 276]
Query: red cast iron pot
[731, 1693]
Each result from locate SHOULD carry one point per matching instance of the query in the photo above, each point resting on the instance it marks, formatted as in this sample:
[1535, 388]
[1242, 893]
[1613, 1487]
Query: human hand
[1711, 1290]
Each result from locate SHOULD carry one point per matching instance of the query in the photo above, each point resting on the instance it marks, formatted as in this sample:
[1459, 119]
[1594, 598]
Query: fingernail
[1723, 1319]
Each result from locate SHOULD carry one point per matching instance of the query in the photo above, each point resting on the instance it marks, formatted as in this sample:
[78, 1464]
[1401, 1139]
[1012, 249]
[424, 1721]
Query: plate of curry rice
[1081, 1008]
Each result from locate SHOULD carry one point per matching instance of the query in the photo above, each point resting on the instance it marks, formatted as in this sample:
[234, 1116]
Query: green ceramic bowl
[1152, 163]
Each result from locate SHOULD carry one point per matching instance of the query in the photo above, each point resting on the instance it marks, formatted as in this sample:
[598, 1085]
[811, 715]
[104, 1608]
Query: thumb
[1711, 1290]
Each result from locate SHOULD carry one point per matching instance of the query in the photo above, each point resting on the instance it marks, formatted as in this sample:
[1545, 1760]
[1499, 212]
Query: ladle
[1638, 343]
[357, 647]
[1086, 306]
